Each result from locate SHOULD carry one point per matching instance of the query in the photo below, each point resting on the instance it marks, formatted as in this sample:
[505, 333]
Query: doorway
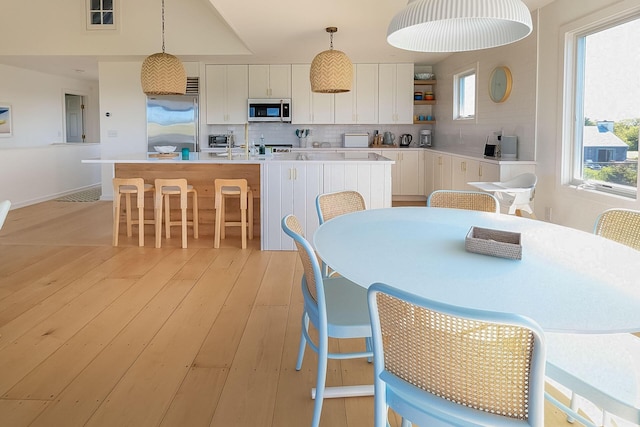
[74, 118]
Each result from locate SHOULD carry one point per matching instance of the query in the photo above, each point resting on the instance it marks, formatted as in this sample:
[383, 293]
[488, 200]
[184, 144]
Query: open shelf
[424, 82]
[423, 102]
[424, 122]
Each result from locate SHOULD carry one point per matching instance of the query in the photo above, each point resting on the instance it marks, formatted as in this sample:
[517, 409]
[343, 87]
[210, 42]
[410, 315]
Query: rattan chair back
[470, 200]
[620, 225]
[331, 205]
[291, 221]
[476, 363]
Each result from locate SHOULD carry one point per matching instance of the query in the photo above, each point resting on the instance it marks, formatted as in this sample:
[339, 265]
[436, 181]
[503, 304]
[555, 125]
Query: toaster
[356, 140]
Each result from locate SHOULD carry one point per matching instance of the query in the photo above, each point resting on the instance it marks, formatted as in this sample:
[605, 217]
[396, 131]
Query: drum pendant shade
[162, 73]
[458, 25]
[331, 70]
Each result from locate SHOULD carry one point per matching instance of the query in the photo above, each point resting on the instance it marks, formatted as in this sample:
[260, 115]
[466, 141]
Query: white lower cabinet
[372, 180]
[437, 172]
[451, 172]
[407, 172]
[292, 188]
[289, 188]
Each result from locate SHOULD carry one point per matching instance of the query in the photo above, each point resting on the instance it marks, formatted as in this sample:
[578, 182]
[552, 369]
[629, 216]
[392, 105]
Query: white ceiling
[280, 31]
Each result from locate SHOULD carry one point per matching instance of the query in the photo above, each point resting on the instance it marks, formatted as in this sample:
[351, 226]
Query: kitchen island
[282, 183]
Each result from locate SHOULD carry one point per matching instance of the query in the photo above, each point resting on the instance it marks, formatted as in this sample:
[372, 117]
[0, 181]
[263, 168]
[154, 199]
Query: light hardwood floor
[102, 336]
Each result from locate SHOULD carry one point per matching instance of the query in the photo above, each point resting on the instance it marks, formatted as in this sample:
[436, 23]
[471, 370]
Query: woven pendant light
[458, 25]
[162, 73]
[331, 70]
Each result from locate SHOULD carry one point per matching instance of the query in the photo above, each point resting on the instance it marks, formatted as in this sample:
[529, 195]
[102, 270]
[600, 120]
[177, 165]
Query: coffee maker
[425, 138]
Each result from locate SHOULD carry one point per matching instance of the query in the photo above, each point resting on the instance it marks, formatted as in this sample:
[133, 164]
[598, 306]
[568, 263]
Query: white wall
[515, 116]
[572, 207]
[31, 168]
[193, 27]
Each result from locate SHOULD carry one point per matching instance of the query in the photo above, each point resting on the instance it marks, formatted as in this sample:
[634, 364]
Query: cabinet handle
[480, 170]
[295, 173]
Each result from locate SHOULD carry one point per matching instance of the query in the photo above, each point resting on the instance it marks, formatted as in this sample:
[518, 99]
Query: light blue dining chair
[461, 199]
[441, 365]
[331, 205]
[335, 306]
[602, 369]
[5, 205]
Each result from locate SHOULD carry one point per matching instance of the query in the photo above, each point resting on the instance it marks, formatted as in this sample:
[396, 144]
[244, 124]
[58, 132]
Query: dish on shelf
[164, 148]
[423, 76]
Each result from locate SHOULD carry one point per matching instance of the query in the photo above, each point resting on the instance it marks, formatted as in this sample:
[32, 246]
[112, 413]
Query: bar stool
[233, 188]
[127, 187]
[166, 188]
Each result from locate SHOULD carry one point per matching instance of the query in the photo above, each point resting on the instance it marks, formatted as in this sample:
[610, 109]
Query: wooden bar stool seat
[164, 189]
[127, 187]
[233, 188]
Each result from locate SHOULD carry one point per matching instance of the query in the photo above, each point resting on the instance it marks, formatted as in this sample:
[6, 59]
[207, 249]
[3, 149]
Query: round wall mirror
[500, 84]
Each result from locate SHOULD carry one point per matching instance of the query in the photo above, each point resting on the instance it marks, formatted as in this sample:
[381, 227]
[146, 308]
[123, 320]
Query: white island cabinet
[289, 188]
[292, 188]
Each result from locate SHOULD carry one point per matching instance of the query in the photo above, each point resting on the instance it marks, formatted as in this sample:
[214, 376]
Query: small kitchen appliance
[269, 110]
[388, 138]
[356, 140]
[405, 139]
[218, 141]
[509, 147]
[425, 138]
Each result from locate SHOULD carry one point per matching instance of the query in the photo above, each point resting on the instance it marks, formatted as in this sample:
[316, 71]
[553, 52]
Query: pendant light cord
[331, 42]
[162, 26]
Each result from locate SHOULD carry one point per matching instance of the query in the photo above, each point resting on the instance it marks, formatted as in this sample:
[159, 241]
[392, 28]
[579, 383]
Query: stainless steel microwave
[269, 110]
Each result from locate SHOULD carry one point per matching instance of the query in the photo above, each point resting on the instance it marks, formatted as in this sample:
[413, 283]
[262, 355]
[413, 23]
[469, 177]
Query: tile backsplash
[285, 133]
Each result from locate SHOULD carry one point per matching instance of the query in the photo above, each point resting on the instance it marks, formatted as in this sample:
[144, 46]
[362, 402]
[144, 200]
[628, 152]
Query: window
[464, 95]
[101, 14]
[603, 112]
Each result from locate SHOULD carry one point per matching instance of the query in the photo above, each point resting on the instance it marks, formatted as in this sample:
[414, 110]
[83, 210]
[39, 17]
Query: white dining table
[567, 280]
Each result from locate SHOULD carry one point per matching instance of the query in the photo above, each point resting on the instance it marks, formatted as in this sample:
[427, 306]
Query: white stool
[129, 186]
[233, 188]
[164, 189]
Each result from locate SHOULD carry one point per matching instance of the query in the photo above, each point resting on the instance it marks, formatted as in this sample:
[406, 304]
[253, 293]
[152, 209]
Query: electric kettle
[388, 138]
[405, 140]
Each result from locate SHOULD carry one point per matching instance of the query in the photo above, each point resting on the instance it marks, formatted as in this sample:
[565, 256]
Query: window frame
[573, 119]
[102, 27]
[458, 101]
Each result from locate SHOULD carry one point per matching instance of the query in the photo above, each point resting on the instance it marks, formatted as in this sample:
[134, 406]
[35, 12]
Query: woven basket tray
[498, 243]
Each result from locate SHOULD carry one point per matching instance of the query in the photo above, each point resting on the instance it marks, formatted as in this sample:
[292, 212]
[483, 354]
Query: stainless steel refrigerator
[172, 120]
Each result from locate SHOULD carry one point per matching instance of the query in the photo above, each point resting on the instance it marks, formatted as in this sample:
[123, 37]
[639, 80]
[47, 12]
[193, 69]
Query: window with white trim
[101, 14]
[464, 95]
[602, 105]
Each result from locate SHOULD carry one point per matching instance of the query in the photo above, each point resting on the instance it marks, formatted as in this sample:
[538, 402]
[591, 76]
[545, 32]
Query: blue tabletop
[567, 280]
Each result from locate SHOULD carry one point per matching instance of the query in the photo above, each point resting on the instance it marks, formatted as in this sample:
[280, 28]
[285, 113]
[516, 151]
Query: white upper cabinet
[308, 107]
[270, 81]
[360, 106]
[395, 103]
[227, 94]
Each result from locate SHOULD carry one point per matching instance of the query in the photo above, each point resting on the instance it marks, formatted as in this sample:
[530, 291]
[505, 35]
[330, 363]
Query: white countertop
[242, 158]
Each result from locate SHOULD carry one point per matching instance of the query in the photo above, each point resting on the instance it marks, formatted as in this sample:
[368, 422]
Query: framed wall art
[5, 120]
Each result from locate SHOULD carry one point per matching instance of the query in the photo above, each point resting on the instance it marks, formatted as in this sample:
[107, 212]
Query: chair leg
[303, 341]
[167, 216]
[158, 218]
[128, 213]
[243, 227]
[116, 218]
[323, 350]
[223, 212]
[216, 239]
[250, 207]
[184, 227]
[140, 225]
[196, 220]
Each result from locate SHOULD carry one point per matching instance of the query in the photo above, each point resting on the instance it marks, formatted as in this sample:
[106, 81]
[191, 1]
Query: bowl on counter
[164, 148]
